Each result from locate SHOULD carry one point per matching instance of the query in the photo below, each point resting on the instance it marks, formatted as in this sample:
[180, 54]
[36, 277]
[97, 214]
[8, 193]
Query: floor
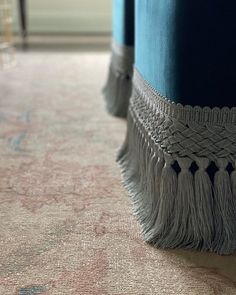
[66, 221]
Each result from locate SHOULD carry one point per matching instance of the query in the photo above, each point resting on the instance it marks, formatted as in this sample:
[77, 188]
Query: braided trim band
[184, 130]
[178, 165]
[187, 113]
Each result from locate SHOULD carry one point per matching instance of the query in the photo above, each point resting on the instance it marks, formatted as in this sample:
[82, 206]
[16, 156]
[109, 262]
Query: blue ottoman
[178, 159]
[119, 84]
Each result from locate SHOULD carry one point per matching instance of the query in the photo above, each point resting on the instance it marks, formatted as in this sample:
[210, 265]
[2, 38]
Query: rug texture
[66, 221]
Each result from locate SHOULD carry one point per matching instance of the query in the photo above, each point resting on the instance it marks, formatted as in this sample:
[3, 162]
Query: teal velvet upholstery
[123, 22]
[186, 49]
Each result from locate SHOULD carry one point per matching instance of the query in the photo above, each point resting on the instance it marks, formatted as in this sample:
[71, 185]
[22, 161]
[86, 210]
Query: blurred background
[54, 25]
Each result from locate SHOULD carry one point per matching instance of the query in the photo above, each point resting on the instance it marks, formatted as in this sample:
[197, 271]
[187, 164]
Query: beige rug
[66, 224]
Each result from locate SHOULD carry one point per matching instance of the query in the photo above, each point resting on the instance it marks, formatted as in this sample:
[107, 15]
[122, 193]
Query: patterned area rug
[66, 221]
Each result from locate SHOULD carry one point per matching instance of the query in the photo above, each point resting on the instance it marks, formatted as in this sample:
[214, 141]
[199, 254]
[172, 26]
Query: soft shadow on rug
[66, 221]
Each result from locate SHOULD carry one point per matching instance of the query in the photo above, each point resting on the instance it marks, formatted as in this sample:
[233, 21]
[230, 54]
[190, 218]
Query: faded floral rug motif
[66, 221]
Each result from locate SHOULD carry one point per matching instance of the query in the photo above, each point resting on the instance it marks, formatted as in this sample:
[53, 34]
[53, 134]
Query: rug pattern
[66, 221]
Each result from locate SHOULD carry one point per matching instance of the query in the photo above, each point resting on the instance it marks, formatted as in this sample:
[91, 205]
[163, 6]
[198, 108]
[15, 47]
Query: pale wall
[67, 16]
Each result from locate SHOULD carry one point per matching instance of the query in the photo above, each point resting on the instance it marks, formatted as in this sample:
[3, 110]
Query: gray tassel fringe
[183, 193]
[118, 88]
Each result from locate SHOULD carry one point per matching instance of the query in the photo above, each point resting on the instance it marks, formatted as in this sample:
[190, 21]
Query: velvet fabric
[123, 22]
[186, 49]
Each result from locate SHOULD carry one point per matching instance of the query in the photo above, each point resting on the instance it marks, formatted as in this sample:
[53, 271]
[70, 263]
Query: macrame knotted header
[178, 164]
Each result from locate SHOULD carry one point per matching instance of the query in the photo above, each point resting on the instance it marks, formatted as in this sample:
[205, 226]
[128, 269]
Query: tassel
[224, 242]
[156, 170]
[129, 157]
[148, 188]
[233, 187]
[185, 232]
[133, 169]
[204, 203]
[165, 206]
[124, 148]
[142, 199]
[117, 92]
[233, 182]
